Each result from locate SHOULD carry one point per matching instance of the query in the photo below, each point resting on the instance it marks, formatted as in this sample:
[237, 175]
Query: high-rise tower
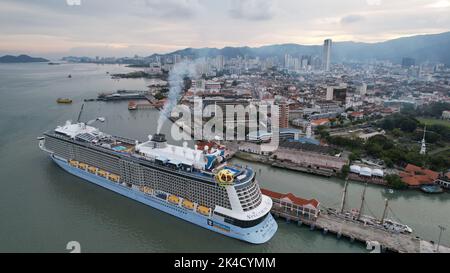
[326, 58]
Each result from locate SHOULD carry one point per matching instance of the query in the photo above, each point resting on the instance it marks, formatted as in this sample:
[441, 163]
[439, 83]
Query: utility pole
[344, 196]
[441, 229]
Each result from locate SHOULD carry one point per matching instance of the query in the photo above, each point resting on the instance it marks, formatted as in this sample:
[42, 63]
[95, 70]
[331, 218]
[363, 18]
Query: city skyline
[149, 26]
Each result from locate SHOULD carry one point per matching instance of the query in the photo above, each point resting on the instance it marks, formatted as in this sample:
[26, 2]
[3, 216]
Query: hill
[21, 59]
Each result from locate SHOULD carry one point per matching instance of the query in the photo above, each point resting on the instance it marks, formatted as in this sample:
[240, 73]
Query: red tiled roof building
[415, 176]
[294, 205]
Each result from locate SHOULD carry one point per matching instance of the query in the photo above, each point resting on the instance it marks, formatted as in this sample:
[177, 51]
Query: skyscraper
[287, 60]
[363, 89]
[283, 115]
[408, 62]
[220, 61]
[330, 91]
[326, 54]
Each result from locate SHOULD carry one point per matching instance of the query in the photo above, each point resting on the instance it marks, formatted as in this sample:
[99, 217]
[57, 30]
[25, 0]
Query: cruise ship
[198, 186]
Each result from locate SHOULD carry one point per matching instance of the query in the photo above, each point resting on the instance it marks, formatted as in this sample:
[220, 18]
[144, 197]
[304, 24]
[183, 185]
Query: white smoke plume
[176, 76]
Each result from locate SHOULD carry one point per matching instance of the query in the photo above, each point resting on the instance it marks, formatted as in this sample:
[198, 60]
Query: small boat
[188, 204]
[113, 177]
[203, 210]
[64, 100]
[146, 190]
[101, 119]
[73, 163]
[431, 189]
[132, 105]
[92, 169]
[174, 199]
[161, 195]
[102, 173]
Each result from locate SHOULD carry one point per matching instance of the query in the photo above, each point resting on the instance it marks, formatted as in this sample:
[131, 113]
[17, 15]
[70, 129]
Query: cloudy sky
[143, 27]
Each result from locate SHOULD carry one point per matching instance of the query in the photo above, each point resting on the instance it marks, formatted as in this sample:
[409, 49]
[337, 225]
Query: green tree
[434, 109]
[405, 123]
[345, 171]
[388, 162]
[397, 132]
[354, 156]
[408, 125]
[395, 181]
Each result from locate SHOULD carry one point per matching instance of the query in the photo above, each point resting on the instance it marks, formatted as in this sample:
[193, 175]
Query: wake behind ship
[197, 186]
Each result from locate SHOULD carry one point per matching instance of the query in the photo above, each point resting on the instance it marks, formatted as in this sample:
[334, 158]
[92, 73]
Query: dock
[306, 212]
[122, 95]
[267, 160]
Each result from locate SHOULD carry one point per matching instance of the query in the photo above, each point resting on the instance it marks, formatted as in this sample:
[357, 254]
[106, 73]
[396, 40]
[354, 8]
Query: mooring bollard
[299, 223]
[339, 235]
[325, 231]
[312, 227]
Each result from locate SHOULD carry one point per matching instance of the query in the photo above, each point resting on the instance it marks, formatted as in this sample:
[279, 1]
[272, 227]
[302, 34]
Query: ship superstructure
[195, 185]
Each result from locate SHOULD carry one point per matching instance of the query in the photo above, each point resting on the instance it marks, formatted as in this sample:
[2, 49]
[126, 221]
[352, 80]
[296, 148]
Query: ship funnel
[159, 138]
[159, 141]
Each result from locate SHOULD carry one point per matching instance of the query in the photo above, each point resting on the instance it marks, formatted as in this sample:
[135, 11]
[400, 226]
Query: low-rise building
[415, 176]
[446, 114]
[294, 205]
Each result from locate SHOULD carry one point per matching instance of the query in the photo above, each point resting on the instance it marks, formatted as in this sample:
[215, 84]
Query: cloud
[256, 10]
[352, 18]
[172, 8]
[439, 4]
[373, 2]
[117, 27]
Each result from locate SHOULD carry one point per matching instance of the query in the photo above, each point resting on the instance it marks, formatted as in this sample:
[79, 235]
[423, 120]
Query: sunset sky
[143, 27]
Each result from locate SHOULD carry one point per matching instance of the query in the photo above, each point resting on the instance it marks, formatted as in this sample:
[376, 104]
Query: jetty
[305, 212]
[122, 95]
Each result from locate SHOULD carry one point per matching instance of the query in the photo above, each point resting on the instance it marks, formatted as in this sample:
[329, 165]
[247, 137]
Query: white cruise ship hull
[258, 234]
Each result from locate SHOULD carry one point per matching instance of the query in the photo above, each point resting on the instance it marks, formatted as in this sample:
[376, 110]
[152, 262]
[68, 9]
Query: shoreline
[263, 159]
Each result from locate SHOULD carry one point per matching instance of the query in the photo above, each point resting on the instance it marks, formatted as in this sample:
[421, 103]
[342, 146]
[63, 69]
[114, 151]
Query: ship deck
[126, 147]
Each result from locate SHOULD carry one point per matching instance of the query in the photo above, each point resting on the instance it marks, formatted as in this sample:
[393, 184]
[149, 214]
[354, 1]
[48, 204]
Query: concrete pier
[356, 231]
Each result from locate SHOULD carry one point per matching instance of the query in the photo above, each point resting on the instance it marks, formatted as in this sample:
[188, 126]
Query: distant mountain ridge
[431, 47]
[21, 59]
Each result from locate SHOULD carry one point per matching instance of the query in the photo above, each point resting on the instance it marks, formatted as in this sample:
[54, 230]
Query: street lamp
[441, 229]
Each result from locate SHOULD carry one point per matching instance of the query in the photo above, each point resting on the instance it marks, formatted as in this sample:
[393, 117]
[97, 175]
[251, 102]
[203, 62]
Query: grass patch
[433, 121]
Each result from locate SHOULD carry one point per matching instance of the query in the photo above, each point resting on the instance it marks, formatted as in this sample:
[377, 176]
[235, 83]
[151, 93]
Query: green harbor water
[42, 207]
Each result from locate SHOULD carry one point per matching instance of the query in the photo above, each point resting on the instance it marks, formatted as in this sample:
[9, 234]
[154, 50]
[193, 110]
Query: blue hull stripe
[258, 234]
